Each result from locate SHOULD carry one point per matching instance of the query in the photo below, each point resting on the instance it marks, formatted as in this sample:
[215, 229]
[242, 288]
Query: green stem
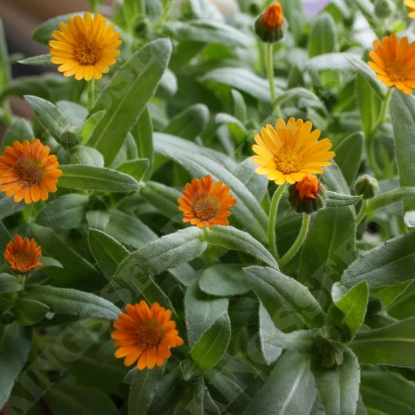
[270, 72]
[272, 220]
[298, 242]
[384, 109]
[362, 213]
[92, 89]
[141, 8]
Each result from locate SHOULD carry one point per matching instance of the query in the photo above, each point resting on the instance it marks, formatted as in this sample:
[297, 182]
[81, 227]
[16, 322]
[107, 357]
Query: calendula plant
[211, 211]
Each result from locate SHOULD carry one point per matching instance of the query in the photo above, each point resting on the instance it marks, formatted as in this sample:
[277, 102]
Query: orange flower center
[396, 71]
[87, 52]
[206, 207]
[288, 162]
[150, 335]
[273, 17]
[30, 172]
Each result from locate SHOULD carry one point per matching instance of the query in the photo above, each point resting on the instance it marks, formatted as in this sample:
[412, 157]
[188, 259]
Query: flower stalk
[272, 220]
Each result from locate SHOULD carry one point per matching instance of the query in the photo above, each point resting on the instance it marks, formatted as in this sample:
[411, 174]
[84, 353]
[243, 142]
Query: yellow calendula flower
[411, 6]
[205, 203]
[291, 151]
[22, 255]
[145, 335]
[85, 47]
[393, 61]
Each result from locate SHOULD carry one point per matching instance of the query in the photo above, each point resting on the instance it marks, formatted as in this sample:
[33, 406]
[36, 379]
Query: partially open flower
[23, 255]
[308, 195]
[205, 203]
[269, 26]
[145, 335]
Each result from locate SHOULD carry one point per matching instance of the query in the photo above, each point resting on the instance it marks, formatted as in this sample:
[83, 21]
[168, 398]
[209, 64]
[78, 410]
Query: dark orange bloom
[205, 203]
[394, 62]
[23, 255]
[273, 16]
[28, 172]
[145, 334]
[269, 26]
[308, 187]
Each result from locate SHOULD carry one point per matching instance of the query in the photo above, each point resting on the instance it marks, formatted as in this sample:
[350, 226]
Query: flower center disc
[288, 162]
[205, 208]
[29, 172]
[150, 335]
[87, 52]
[397, 72]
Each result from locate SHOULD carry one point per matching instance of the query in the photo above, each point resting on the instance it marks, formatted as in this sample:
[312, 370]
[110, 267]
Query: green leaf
[267, 329]
[189, 123]
[201, 311]
[402, 306]
[223, 280]
[348, 156]
[162, 254]
[20, 130]
[207, 351]
[336, 200]
[233, 238]
[288, 390]
[96, 178]
[390, 345]
[400, 194]
[301, 341]
[43, 33]
[8, 206]
[402, 108]
[134, 168]
[339, 386]
[5, 67]
[87, 156]
[28, 311]
[388, 392]
[143, 389]
[347, 313]
[247, 210]
[334, 180]
[257, 184]
[108, 252]
[9, 284]
[323, 35]
[385, 265]
[97, 219]
[89, 125]
[286, 298]
[126, 96]
[66, 212]
[328, 249]
[41, 60]
[15, 344]
[72, 302]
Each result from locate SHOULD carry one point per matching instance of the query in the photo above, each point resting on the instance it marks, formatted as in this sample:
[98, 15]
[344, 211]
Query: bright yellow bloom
[85, 47]
[28, 172]
[291, 151]
[145, 334]
[394, 62]
[23, 255]
[308, 187]
[205, 203]
[411, 5]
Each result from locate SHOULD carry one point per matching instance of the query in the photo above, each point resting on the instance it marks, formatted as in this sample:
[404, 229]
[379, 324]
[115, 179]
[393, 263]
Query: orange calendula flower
[145, 334]
[85, 47]
[205, 203]
[23, 255]
[290, 151]
[394, 62]
[308, 187]
[411, 6]
[269, 26]
[28, 172]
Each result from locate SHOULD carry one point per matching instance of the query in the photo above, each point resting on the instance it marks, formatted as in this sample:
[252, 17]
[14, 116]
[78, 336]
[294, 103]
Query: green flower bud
[307, 196]
[367, 186]
[384, 8]
[269, 26]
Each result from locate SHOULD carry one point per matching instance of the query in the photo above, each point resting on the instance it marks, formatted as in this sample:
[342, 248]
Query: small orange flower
[205, 203]
[411, 6]
[394, 62]
[308, 187]
[273, 16]
[145, 334]
[269, 26]
[23, 255]
[28, 172]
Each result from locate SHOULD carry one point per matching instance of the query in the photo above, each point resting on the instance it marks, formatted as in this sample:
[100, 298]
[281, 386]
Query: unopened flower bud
[367, 186]
[307, 196]
[269, 26]
[384, 8]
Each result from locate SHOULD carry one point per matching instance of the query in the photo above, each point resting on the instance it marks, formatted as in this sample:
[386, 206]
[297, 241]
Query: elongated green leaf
[15, 343]
[281, 293]
[5, 69]
[87, 156]
[328, 249]
[347, 313]
[201, 311]
[126, 96]
[388, 392]
[400, 194]
[96, 178]
[164, 253]
[20, 130]
[9, 284]
[301, 341]
[288, 390]
[390, 345]
[143, 389]
[336, 200]
[267, 329]
[135, 168]
[385, 265]
[41, 60]
[223, 280]
[69, 301]
[233, 238]
[403, 120]
[339, 386]
[207, 351]
[66, 212]
[247, 210]
[8, 206]
[323, 36]
[257, 184]
[28, 311]
[43, 33]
